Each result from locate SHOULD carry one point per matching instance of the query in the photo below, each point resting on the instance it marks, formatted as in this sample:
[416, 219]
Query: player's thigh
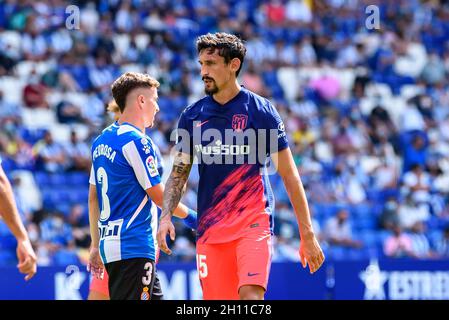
[217, 270]
[98, 289]
[131, 279]
[254, 254]
[156, 293]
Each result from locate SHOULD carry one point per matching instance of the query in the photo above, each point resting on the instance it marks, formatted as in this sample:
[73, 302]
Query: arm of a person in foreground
[8, 210]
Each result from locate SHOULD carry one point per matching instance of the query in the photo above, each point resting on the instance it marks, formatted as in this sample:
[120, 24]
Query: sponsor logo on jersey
[151, 166]
[223, 149]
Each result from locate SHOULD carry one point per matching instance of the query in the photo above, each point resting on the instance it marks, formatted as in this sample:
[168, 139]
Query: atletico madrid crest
[239, 122]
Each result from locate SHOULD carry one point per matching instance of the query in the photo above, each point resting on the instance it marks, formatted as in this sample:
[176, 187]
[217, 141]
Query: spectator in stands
[415, 153]
[380, 125]
[67, 112]
[79, 223]
[10, 114]
[184, 250]
[442, 244]
[411, 212]
[21, 152]
[417, 182]
[50, 154]
[355, 190]
[385, 176]
[420, 242]
[399, 244]
[389, 218]
[34, 93]
[56, 233]
[342, 143]
[78, 154]
[286, 244]
[338, 231]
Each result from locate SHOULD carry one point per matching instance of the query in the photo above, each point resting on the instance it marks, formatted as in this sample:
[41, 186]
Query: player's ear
[235, 64]
[141, 100]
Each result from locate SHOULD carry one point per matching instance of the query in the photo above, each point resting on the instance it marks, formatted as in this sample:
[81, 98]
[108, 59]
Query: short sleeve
[159, 158]
[92, 180]
[141, 157]
[184, 139]
[276, 135]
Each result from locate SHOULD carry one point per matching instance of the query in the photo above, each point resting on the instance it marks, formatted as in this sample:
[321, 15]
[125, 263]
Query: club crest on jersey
[239, 122]
[151, 166]
[145, 294]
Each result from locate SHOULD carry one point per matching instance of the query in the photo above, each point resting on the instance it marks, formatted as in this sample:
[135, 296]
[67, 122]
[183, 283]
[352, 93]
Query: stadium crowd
[366, 112]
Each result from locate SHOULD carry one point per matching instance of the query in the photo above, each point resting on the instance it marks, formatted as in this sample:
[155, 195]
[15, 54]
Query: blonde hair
[114, 108]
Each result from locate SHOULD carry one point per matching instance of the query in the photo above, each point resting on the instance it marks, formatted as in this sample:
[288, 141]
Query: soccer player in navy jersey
[125, 190]
[232, 133]
[8, 211]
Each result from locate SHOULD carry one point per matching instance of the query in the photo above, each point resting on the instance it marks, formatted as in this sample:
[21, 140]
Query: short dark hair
[128, 82]
[229, 46]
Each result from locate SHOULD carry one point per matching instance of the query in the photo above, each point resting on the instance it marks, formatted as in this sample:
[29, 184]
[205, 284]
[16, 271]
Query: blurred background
[366, 111]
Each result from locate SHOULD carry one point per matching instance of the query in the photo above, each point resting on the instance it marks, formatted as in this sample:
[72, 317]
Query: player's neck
[227, 93]
[132, 119]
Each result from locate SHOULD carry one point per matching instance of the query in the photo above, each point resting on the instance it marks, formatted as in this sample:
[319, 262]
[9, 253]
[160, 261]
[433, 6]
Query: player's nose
[204, 71]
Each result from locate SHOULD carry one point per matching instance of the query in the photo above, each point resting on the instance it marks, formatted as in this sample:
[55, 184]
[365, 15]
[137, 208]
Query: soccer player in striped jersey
[98, 289]
[128, 189]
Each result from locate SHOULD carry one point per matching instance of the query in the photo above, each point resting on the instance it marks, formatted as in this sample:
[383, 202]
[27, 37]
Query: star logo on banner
[374, 280]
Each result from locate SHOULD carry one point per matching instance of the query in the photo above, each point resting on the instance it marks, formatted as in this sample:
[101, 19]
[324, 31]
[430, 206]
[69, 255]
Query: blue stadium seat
[58, 179]
[357, 254]
[65, 258]
[360, 210]
[77, 179]
[42, 178]
[368, 237]
[368, 222]
[64, 208]
[336, 253]
[78, 196]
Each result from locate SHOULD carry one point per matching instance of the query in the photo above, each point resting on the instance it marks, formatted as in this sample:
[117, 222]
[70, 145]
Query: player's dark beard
[213, 90]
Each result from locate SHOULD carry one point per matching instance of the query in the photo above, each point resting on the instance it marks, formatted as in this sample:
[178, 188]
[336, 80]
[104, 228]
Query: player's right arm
[8, 210]
[174, 189]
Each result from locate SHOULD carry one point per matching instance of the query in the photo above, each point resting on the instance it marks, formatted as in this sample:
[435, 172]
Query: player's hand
[165, 227]
[95, 265]
[310, 253]
[27, 258]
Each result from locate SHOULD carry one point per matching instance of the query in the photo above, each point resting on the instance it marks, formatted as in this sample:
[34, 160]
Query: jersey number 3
[103, 181]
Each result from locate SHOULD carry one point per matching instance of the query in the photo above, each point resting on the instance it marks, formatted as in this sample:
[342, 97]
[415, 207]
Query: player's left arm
[95, 265]
[156, 194]
[310, 251]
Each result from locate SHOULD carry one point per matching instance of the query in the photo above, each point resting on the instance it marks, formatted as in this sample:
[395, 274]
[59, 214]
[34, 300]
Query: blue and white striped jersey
[124, 165]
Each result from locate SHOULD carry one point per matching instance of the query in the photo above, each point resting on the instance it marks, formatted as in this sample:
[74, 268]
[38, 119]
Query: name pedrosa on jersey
[104, 150]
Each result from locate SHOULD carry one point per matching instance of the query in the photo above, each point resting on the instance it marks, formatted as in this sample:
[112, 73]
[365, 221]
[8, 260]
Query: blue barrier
[339, 280]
